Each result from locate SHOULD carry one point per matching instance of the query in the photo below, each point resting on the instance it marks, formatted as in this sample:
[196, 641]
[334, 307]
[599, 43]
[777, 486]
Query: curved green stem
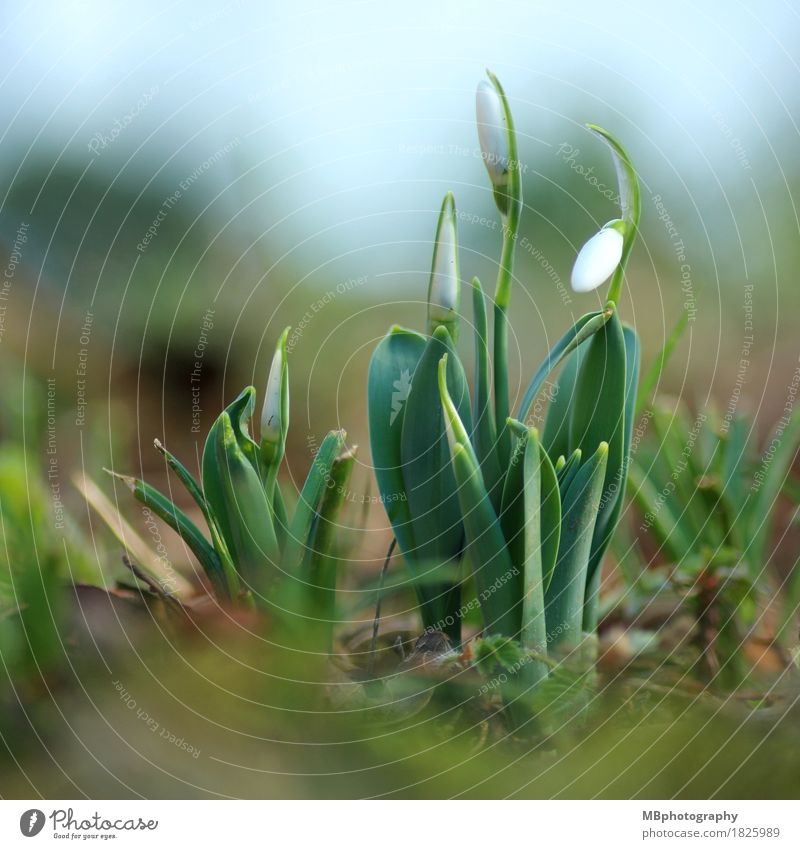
[629, 201]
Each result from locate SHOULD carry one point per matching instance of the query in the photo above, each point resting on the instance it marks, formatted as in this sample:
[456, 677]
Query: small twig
[377, 621]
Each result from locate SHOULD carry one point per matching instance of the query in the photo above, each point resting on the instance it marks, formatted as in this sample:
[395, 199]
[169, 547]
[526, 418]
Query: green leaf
[429, 482]
[185, 477]
[512, 510]
[391, 371]
[598, 415]
[567, 472]
[655, 371]
[496, 577]
[770, 478]
[253, 544]
[555, 437]
[485, 438]
[320, 564]
[281, 517]
[599, 545]
[512, 520]
[658, 515]
[533, 633]
[300, 537]
[582, 330]
[193, 488]
[183, 526]
[237, 414]
[565, 596]
[551, 517]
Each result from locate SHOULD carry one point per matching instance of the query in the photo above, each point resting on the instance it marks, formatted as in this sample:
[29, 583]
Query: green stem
[501, 401]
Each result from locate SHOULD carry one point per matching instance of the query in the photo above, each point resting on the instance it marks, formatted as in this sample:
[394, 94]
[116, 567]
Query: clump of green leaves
[463, 481]
[253, 549]
[709, 498]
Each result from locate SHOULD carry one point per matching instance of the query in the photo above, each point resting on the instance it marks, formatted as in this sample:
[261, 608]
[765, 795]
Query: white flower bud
[492, 133]
[598, 258]
[444, 290]
[275, 411]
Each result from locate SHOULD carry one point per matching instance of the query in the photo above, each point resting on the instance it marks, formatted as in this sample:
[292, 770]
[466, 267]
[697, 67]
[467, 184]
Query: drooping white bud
[598, 258]
[493, 133]
[444, 289]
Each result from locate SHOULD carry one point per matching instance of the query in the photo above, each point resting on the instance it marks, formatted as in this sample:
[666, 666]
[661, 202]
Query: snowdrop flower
[499, 147]
[275, 412]
[599, 257]
[492, 133]
[444, 290]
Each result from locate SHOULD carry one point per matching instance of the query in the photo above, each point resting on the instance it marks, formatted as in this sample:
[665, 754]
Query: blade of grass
[129, 538]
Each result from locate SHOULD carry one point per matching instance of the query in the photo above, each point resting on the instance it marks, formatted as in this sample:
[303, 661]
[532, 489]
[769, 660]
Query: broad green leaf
[565, 596]
[555, 437]
[391, 370]
[598, 415]
[238, 412]
[253, 544]
[428, 477]
[585, 327]
[632, 357]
